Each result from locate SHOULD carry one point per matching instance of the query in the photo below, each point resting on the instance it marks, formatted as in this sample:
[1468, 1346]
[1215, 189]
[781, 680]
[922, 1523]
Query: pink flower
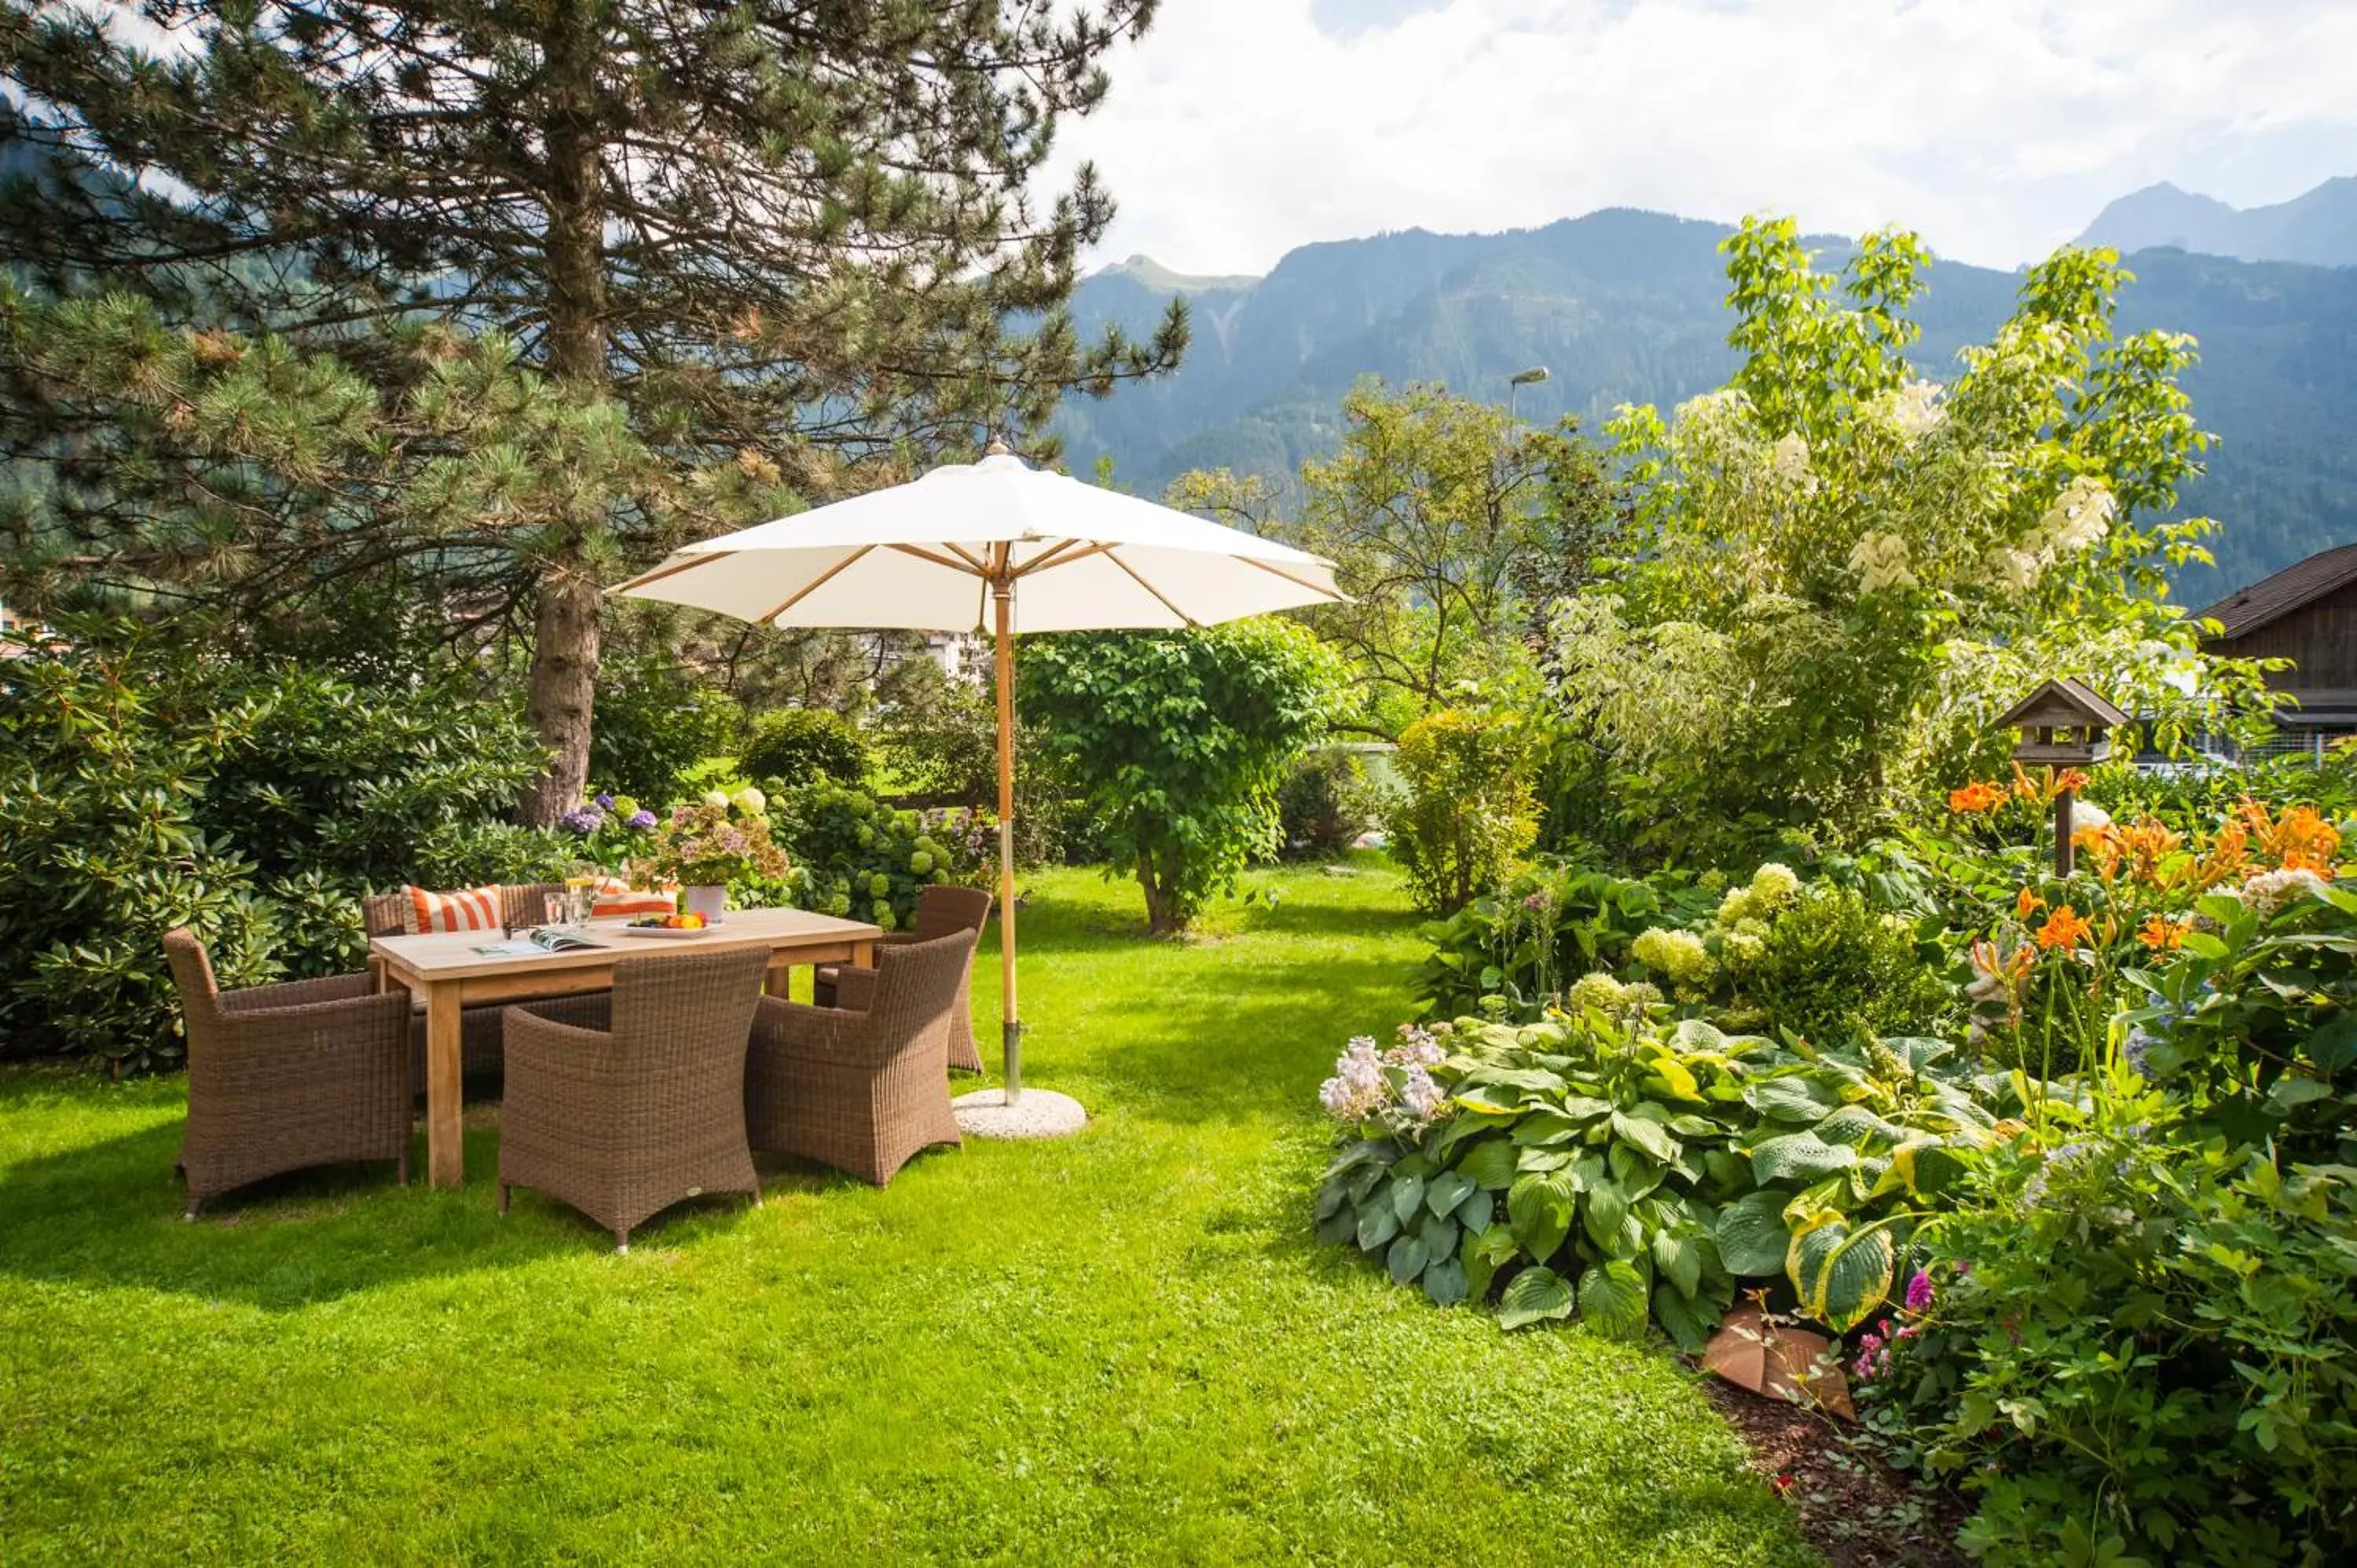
[1919, 1291]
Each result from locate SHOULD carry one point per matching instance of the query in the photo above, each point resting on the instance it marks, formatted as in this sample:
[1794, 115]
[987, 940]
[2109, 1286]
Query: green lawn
[1120, 1348]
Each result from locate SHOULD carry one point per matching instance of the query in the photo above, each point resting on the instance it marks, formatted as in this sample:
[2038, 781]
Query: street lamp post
[1522, 378]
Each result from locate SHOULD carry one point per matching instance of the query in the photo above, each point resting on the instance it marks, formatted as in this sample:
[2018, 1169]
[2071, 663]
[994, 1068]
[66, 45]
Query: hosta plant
[1574, 1164]
[1847, 1150]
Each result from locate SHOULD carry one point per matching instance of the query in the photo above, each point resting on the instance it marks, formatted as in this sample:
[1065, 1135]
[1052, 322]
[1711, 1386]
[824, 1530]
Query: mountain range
[1629, 306]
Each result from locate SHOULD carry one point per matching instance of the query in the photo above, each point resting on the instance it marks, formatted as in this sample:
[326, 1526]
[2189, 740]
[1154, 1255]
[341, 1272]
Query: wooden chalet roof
[2272, 599]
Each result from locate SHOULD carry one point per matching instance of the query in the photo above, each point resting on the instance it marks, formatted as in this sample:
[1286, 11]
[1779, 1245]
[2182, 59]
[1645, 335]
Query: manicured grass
[1120, 1348]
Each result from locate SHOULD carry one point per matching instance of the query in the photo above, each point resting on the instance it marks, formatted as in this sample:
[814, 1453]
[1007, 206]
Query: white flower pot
[712, 903]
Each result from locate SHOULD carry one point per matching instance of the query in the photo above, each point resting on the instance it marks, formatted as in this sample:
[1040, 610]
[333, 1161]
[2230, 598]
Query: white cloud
[1238, 129]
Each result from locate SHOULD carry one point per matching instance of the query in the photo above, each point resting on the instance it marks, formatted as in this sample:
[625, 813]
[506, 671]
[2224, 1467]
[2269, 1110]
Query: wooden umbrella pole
[1001, 590]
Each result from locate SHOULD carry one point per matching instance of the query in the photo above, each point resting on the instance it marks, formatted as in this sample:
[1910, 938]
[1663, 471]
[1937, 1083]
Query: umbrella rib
[815, 584]
[1191, 622]
[1335, 594]
[670, 568]
[1063, 554]
[923, 554]
[963, 554]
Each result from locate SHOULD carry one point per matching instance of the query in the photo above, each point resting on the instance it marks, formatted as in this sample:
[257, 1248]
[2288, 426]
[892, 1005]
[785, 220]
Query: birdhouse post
[2063, 725]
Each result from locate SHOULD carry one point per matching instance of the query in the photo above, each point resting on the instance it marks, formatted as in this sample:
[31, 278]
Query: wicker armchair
[313, 1072]
[623, 1103]
[940, 910]
[863, 1086]
[387, 915]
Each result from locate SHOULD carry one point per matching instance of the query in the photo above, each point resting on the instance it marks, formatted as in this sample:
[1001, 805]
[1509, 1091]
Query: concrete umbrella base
[1040, 1113]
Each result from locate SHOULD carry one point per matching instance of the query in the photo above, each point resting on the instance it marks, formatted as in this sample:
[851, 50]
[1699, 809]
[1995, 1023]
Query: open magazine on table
[540, 938]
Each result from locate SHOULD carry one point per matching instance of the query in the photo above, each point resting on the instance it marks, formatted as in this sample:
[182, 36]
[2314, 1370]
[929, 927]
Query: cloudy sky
[1237, 129]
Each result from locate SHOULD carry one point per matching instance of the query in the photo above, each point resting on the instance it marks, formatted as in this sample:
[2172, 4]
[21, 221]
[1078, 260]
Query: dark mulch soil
[1857, 1510]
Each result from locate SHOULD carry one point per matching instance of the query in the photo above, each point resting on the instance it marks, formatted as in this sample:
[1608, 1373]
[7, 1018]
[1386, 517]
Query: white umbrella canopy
[996, 543]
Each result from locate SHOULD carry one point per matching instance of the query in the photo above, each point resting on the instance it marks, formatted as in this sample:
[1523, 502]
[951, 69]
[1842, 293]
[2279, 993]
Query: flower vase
[708, 901]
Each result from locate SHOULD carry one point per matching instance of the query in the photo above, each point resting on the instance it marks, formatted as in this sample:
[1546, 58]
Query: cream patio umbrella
[1001, 544]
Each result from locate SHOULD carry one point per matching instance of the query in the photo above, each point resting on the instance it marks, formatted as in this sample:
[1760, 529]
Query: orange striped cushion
[616, 896]
[475, 910]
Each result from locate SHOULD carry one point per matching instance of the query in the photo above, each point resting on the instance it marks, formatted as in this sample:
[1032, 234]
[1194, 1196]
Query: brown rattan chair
[623, 1103]
[311, 1072]
[940, 910]
[863, 1086]
[388, 915]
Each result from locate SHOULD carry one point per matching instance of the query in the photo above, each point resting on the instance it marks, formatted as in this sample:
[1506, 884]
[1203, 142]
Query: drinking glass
[552, 908]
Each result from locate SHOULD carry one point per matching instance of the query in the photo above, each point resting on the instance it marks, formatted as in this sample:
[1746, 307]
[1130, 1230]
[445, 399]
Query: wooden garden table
[445, 969]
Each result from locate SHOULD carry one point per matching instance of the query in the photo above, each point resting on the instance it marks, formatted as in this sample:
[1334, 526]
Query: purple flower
[583, 819]
[605, 802]
[1919, 1291]
[1535, 901]
[640, 821]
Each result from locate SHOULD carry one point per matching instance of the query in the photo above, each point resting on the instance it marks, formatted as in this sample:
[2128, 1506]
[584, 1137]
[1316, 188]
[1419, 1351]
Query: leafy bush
[2137, 1341]
[654, 725]
[145, 786]
[1324, 804]
[1574, 1164]
[1469, 811]
[1830, 967]
[1178, 743]
[1524, 943]
[856, 858]
[793, 748]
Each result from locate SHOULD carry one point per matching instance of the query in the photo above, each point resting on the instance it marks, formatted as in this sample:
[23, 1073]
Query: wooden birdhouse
[2063, 725]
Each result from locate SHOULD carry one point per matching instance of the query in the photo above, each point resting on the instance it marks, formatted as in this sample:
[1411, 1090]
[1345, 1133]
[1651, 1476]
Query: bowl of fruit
[668, 926]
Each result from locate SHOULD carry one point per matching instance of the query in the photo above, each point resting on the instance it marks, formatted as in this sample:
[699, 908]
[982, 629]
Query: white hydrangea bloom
[2268, 891]
[1882, 560]
[1914, 409]
[2013, 569]
[1789, 459]
[2079, 516]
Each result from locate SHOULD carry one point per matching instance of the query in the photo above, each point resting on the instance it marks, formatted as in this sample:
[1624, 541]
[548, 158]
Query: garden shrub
[655, 724]
[858, 858]
[1324, 804]
[2137, 1340]
[1831, 967]
[146, 785]
[1552, 923]
[793, 748]
[1468, 811]
[1177, 744]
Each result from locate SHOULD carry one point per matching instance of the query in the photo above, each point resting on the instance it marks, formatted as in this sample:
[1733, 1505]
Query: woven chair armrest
[297, 993]
[831, 1035]
[392, 1009]
[854, 989]
[527, 1036]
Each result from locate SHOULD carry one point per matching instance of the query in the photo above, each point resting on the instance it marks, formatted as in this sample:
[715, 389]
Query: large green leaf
[1490, 1163]
[1799, 1156]
[1537, 1294]
[1331, 1195]
[1546, 1127]
[1447, 1190]
[1407, 1197]
[1687, 1322]
[1636, 1173]
[1789, 1099]
[1539, 1210]
[1612, 1298]
[1648, 1135]
[1484, 1253]
[1843, 1271]
[1678, 1259]
[1854, 1124]
[1753, 1238]
[1438, 1234]
[1377, 1225]
[1406, 1259]
[1602, 1214]
[1444, 1282]
[1477, 1212]
[1337, 1226]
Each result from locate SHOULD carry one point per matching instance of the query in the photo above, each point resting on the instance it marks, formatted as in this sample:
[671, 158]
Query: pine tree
[778, 235]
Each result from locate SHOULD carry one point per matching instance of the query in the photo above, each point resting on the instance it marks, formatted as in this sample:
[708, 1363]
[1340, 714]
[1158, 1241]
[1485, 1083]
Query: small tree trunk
[1162, 916]
[564, 686]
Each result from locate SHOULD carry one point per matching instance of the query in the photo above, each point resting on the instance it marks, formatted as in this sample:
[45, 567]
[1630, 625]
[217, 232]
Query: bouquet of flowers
[718, 840]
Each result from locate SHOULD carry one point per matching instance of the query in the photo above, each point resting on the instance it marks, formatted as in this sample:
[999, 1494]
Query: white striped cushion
[616, 896]
[475, 910]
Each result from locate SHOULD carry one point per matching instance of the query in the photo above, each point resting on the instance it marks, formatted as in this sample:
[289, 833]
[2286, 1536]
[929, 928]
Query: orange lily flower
[2026, 904]
[2063, 929]
[2163, 935]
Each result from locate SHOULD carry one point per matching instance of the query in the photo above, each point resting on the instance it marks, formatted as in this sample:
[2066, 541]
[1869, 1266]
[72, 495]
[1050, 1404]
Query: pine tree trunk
[565, 632]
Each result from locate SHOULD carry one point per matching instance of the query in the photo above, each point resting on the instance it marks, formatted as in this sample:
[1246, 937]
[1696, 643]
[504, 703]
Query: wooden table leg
[778, 980]
[863, 955]
[446, 1141]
